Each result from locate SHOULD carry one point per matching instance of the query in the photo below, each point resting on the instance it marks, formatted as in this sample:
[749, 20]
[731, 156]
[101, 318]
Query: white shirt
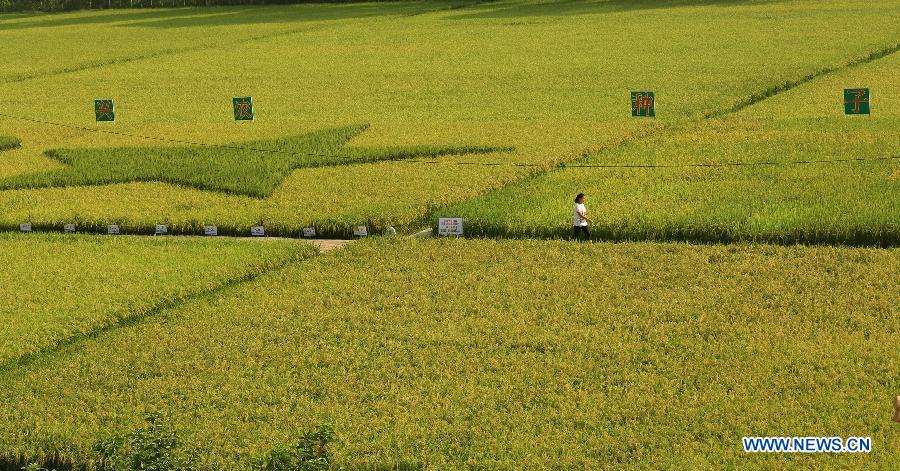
[579, 210]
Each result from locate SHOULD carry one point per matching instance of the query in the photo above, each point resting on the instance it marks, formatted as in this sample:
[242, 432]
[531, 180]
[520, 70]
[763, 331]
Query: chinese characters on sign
[257, 231]
[856, 101]
[210, 230]
[450, 226]
[104, 110]
[360, 231]
[309, 232]
[643, 104]
[243, 109]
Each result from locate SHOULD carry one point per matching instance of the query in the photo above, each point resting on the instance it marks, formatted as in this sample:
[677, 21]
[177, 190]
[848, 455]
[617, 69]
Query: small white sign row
[210, 230]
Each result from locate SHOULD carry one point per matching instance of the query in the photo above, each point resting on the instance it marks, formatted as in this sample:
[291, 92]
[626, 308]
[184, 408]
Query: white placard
[257, 231]
[161, 229]
[112, 229]
[360, 231]
[25, 227]
[210, 230]
[450, 226]
[309, 232]
[69, 228]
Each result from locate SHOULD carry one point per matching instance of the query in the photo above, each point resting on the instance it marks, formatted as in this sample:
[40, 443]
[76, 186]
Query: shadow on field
[51, 20]
[591, 7]
[286, 14]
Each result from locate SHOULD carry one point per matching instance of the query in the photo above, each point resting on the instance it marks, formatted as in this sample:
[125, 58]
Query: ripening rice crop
[251, 168]
[550, 81]
[454, 354]
[54, 288]
[814, 175]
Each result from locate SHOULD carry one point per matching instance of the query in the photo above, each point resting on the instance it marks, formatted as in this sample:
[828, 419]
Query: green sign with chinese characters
[643, 104]
[856, 101]
[104, 110]
[243, 109]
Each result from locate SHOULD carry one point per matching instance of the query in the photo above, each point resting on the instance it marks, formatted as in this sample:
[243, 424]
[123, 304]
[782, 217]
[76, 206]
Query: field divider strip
[791, 84]
[159, 54]
[130, 320]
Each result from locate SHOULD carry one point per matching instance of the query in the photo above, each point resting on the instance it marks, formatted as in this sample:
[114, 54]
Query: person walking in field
[581, 221]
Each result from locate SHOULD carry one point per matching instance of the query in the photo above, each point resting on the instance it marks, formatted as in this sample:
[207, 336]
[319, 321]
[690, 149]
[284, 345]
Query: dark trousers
[581, 232]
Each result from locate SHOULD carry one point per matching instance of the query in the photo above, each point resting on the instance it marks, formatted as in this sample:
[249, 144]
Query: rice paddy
[742, 279]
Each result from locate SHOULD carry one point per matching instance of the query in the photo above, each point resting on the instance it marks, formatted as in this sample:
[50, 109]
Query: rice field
[482, 75]
[426, 354]
[252, 168]
[59, 287]
[812, 175]
[694, 318]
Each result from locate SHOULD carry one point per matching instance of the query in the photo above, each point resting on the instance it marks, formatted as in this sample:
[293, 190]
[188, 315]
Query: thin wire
[486, 164]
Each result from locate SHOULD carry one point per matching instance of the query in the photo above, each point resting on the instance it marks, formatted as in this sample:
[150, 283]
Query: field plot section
[499, 354]
[791, 168]
[55, 287]
[483, 75]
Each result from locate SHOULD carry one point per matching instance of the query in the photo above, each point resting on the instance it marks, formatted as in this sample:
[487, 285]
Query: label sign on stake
[25, 227]
[257, 231]
[309, 232]
[643, 104]
[243, 108]
[450, 226]
[161, 229]
[856, 101]
[210, 230]
[360, 231]
[103, 109]
[112, 229]
[69, 228]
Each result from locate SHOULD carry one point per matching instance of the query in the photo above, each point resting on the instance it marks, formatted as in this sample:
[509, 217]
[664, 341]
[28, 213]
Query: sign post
[103, 109]
[643, 104]
[210, 230]
[243, 108]
[161, 229]
[450, 227]
[856, 101]
[360, 231]
[309, 232]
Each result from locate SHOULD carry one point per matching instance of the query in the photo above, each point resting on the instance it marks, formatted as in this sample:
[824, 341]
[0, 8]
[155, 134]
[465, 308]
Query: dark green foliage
[7, 142]
[251, 168]
[310, 453]
[152, 448]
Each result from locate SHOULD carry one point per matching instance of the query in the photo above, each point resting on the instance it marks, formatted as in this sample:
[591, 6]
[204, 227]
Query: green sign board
[643, 104]
[104, 110]
[856, 101]
[243, 109]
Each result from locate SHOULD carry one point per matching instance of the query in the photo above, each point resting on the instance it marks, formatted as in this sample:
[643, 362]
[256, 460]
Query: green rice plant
[550, 81]
[253, 168]
[459, 354]
[7, 143]
[60, 288]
